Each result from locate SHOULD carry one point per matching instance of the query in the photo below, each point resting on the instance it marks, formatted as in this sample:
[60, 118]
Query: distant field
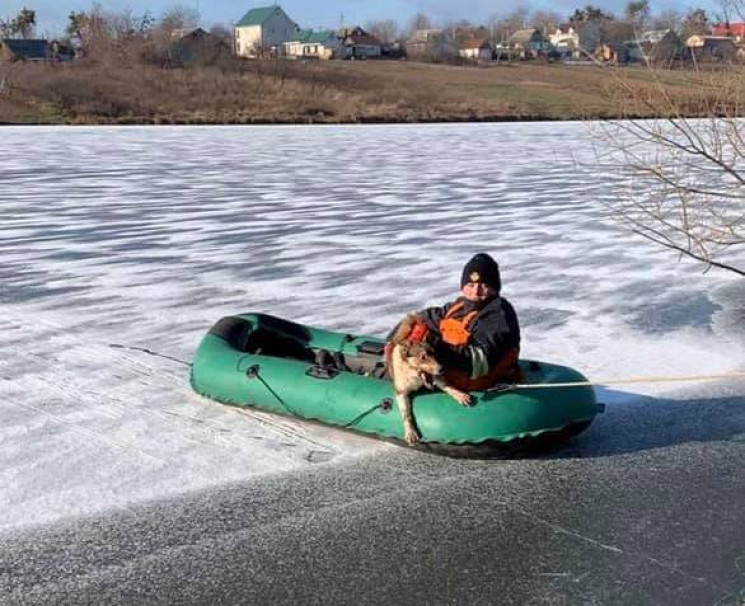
[344, 92]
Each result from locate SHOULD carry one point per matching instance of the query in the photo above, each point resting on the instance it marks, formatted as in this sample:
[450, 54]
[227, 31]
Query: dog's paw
[411, 436]
[463, 398]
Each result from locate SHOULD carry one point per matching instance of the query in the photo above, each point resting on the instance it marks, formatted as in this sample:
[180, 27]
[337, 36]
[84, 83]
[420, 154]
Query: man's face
[477, 291]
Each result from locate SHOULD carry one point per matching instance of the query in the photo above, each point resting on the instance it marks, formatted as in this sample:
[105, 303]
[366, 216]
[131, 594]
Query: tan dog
[411, 364]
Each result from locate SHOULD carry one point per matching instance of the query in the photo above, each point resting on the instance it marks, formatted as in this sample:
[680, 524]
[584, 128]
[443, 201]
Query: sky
[52, 14]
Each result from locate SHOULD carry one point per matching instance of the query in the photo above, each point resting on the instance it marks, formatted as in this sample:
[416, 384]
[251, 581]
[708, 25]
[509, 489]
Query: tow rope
[502, 387]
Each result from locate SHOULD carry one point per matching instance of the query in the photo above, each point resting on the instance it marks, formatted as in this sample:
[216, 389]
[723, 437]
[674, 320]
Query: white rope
[728, 375]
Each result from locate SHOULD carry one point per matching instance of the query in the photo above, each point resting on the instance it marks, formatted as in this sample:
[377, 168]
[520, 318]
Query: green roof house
[263, 30]
[307, 44]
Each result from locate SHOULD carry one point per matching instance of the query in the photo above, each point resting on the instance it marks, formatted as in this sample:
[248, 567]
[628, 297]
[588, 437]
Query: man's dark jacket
[495, 331]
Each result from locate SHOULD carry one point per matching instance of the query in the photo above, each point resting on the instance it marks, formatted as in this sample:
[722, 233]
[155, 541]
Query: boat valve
[252, 371]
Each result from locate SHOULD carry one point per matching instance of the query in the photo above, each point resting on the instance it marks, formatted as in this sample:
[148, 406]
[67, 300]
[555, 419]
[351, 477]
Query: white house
[263, 30]
[313, 45]
[479, 50]
[565, 38]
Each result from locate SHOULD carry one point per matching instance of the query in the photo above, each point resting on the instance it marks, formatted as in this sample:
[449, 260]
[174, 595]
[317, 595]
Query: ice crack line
[613, 549]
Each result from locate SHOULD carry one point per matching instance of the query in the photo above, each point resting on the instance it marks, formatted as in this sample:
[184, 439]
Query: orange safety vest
[455, 332]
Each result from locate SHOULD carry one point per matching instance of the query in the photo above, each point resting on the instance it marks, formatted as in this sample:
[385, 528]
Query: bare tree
[638, 12]
[23, 25]
[589, 13]
[684, 179]
[223, 32]
[104, 36]
[89, 30]
[668, 19]
[545, 21]
[696, 22]
[419, 21]
[385, 30]
[730, 10]
[178, 18]
[517, 19]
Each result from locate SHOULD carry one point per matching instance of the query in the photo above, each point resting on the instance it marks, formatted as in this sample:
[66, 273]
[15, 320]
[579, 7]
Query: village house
[528, 42]
[619, 53]
[12, 49]
[263, 30]
[197, 46]
[59, 52]
[732, 30]
[477, 50]
[356, 43]
[660, 46]
[313, 45]
[430, 43]
[565, 40]
[712, 49]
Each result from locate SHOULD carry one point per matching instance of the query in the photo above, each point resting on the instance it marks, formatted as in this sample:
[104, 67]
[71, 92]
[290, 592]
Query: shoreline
[364, 121]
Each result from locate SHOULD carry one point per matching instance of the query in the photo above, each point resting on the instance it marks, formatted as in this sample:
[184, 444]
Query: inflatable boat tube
[270, 363]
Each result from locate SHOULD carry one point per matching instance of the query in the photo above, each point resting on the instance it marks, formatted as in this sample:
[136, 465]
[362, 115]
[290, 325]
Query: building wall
[275, 31]
[482, 54]
[309, 49]
[247, 39]
[363, 51]
[565, 40]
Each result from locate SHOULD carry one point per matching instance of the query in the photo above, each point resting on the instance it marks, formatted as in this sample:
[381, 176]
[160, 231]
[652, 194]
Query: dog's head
[418, 355]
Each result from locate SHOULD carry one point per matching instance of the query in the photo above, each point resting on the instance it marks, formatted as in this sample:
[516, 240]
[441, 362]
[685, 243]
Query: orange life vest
[456, 332]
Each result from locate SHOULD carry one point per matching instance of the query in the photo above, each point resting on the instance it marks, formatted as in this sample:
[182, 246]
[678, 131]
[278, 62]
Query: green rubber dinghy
[270, 363]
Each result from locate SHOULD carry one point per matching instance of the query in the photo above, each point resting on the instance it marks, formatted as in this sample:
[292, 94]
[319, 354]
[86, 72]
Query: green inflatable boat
[273, 364]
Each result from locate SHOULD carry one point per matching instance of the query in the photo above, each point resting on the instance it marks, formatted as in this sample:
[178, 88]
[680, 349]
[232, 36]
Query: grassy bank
[336, 92]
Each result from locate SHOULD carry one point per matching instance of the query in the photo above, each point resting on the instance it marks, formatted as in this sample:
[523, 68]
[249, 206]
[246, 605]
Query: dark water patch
[72, 255]
[26, 293]
[729, 321]
[138, 244]
[114, 259]
[678, 311]
[544, 318]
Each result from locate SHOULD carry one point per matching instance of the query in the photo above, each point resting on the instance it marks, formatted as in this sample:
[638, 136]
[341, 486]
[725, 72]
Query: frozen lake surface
[114, 240]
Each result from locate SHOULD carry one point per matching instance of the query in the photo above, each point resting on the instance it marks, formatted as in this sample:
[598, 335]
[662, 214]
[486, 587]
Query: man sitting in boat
[477, 336]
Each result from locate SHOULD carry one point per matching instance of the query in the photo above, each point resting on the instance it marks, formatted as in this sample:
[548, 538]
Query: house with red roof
[733, 30]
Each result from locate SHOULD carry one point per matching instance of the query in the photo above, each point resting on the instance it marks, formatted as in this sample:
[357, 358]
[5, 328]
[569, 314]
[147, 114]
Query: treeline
[93, 30]
[637, 16]
[98, 34]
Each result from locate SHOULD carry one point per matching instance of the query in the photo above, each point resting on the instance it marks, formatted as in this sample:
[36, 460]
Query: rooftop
[257, 16]
[474, 43]
[27, 49]
[308, 36]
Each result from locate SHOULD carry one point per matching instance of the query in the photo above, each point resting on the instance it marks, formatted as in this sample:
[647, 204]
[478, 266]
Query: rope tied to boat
[507, 387]
[252, 372]
[384, 405]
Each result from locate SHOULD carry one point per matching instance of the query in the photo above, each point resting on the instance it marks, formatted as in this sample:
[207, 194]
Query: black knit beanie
[482, 268]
